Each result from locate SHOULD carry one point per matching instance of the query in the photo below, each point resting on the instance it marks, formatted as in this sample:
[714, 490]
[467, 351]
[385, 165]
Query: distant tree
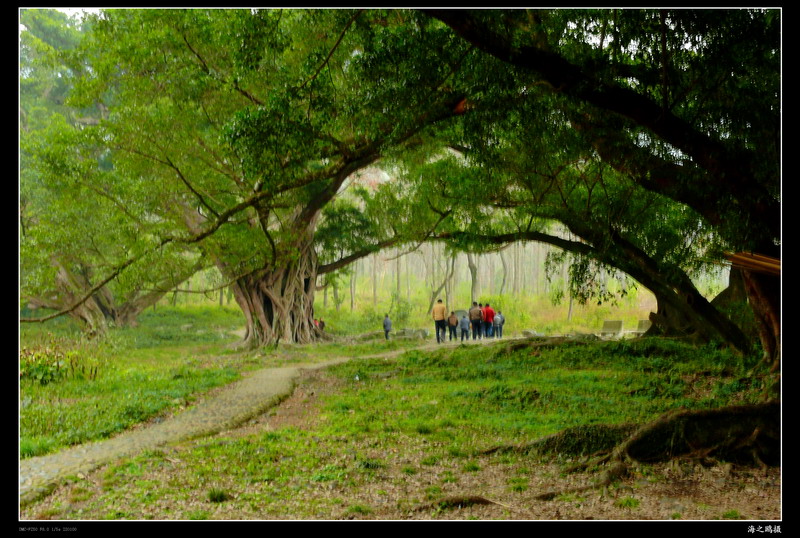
[78, 218]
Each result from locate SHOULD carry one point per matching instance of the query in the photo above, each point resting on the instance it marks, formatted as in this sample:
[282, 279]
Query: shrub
[44, 365]
[56, 358]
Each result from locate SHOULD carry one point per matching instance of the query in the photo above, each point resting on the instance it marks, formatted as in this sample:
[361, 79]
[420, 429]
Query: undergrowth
[423, 418]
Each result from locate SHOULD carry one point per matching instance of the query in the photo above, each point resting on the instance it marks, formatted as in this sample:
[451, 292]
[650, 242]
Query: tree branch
[347, 260]
[335, 46]
[729, 170]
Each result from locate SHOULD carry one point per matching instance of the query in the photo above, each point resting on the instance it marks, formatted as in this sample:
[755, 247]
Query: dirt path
[229, 407]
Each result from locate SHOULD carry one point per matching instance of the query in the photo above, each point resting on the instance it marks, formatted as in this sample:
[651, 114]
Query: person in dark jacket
[463, 324]
[387, 326]
[452, 325]
[499, 320]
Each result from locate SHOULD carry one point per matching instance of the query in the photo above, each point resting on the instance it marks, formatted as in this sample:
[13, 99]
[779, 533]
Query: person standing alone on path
[439, 315]
[475, 317]
[387, 326]
[452, 324]
[464, 325]
[488, 319]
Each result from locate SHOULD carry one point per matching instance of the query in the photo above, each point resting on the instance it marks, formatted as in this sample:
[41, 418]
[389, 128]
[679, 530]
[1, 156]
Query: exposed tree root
[747, 434]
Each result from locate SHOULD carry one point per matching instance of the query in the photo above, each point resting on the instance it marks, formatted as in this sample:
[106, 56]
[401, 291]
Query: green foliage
[347, 227]
[246, 123]
[56, 358]
[400, 308]
[111, 374]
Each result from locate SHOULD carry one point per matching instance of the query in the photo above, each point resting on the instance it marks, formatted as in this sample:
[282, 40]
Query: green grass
[218, 495]
[85, 411]
[162, 365]
[627, 502]
[440, 395]
[446, 405]
[159, 366]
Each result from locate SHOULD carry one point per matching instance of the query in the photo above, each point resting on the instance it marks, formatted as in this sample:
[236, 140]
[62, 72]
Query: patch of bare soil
[491, 488]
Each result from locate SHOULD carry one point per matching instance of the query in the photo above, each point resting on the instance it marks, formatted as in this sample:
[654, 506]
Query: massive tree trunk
[674, 288]
[763, 292]
[753, 300]
[278, 302]
[682, 310]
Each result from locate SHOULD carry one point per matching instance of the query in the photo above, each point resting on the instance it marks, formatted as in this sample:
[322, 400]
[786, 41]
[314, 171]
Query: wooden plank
[755, 262]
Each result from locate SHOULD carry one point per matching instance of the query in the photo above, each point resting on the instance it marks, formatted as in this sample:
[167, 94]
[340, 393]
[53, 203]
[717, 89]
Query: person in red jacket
[488, 319]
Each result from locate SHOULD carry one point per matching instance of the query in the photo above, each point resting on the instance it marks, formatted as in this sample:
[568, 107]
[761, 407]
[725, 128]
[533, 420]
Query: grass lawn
[387, 434]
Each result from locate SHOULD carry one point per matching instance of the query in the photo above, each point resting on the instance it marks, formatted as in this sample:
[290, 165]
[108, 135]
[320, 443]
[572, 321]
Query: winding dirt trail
[229, 407]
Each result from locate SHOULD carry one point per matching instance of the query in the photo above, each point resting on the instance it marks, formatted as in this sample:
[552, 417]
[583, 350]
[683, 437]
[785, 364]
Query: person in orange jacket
[439, 319]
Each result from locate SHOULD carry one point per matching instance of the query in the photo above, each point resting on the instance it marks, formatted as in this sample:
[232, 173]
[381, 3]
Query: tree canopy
[236, 136]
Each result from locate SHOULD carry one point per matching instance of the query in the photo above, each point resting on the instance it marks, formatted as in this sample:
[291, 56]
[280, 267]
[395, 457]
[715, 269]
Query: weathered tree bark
[375, 279]
[449, 288]
[763, 292]
[278, 302]
[353, 288]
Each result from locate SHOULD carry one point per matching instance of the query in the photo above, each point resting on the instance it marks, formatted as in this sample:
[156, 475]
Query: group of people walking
[485, 322]
[482, 322]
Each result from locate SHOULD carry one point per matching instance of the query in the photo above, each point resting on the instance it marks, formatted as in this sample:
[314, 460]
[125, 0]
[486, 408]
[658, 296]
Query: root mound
[744, 434]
